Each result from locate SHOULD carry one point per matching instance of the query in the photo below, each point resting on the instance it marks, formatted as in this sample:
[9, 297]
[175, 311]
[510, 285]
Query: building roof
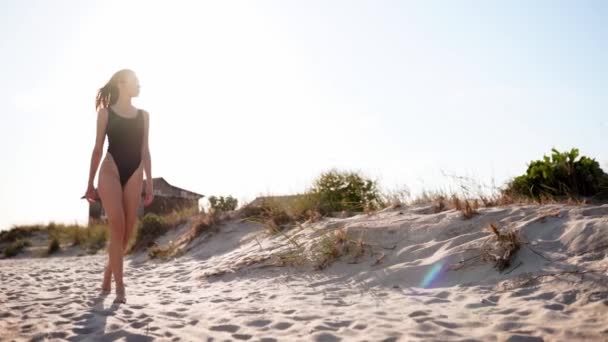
[168, 190]
[172, 190]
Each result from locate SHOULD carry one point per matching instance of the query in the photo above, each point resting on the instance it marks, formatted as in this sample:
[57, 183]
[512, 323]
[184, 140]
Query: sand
[422, 280]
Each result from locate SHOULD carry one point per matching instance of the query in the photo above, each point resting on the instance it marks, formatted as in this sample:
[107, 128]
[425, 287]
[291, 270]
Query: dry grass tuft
[501, 249]
[439, 205]
[456, 203]
[204, 223]
[333, 246]
[292, 257]
[469, 211]
[395, 199]
[163, 253]
[275, 215]
[178, 217]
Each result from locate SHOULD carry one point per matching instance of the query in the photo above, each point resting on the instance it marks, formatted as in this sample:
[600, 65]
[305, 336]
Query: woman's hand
[90, 194]
[149, 193]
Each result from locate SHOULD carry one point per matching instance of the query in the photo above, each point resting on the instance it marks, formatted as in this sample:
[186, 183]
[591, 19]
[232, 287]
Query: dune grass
[20, 232]
[16, 247]
[53, 246]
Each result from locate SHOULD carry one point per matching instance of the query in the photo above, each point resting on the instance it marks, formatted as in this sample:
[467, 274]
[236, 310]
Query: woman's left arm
[147, 161]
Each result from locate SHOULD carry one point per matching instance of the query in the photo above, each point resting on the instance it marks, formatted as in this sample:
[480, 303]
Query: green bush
[150, 227]
[16, 247]
[53, 246]
[223, 203]
[559, 175]
[341, 190]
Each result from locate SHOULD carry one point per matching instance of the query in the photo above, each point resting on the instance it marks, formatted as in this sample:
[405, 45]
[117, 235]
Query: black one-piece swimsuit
[125, 138]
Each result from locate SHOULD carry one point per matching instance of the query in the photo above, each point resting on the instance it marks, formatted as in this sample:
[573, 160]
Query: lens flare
[432, 275]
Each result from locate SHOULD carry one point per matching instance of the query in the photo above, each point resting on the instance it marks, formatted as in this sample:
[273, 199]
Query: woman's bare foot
[120, 294]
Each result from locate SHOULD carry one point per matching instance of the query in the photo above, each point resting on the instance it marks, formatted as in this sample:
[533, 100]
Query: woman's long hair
[108, 94]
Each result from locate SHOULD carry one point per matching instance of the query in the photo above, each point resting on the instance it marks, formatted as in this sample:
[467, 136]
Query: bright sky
[259, 97]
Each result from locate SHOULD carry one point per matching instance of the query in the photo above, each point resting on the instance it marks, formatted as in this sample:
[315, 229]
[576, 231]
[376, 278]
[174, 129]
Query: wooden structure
[167, 198]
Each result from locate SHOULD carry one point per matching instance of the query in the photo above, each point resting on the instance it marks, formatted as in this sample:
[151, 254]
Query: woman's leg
[131, 200]
[110, 193]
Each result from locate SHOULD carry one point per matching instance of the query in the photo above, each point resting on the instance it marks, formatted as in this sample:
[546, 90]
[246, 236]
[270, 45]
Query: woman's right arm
[102, 121]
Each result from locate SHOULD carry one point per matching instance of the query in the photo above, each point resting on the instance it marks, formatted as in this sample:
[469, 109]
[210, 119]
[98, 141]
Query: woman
[121, 173]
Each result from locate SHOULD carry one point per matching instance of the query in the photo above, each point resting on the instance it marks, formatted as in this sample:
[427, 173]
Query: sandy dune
[422, 280]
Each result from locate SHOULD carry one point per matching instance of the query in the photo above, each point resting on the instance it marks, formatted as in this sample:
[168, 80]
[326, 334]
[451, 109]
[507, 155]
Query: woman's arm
[102, 121]
[146, 148]
[147, 161]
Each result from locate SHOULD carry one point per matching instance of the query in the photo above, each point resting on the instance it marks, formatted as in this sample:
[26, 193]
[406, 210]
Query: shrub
[345, 191]
[559, 175]
[53, 246]
[223, 203]
[16, 247]
[150, 227]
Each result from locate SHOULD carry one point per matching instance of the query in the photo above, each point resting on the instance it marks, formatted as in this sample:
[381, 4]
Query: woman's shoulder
[143, 112]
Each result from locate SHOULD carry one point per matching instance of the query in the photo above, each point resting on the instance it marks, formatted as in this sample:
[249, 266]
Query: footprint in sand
[339, 324]
[509, 325]
[524, 292]
[524, 338]
[542, 296]
[231, 328]
[258, 323]
[442, 295]
[418, 313]
[555, 307]
[326, 337]
[598, 295]
[436, 301]
[567, 297]
[242, 336]
[323, 328]
[83, 331]
[282, 325]
[447, 325]
[141, 324]
[250, 312]
[305, 318]
[174, 314]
